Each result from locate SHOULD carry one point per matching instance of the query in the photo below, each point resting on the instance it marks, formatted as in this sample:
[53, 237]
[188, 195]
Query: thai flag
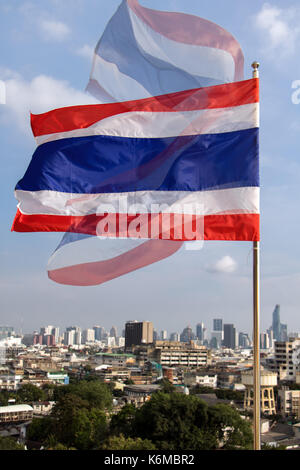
[142, 53]
[124, 169]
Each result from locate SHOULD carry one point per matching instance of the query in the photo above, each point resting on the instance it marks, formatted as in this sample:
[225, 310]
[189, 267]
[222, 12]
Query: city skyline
[208, 332]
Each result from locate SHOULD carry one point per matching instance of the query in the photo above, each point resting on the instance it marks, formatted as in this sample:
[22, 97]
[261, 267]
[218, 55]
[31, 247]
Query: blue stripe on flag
[109, 164]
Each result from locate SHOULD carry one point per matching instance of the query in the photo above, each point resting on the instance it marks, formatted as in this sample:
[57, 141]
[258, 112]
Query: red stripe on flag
[231, 227]
[190, 29]
[97, 272]
[81, 117]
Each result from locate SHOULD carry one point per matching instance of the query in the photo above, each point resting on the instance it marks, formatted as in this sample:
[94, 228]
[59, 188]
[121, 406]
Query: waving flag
[145, 53]
[142, 53]
[116, 159]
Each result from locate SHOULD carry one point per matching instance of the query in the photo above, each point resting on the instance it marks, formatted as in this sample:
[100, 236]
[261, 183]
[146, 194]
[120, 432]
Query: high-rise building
[137, 333]
[217, 334]
[72, 335]
[216, 339]
[229, 336]
[200, 331]
[88, 335]
[264, 341]
[46, 330]
[244, 340]
[175, 337]
[99, 333]
[49, 340]
[276, 323]
[113, 332]
[69, 337]
[163, 335]
[217, 324]
[37, 339]
[279, 329]
[55, 333]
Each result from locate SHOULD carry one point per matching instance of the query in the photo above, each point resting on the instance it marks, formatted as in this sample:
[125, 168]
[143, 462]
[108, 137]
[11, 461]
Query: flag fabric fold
[144, 52]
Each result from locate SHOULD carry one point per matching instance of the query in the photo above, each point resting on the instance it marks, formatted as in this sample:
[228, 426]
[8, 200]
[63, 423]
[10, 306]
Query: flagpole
[256, 345]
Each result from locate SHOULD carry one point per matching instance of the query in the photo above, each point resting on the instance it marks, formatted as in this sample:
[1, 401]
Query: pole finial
[255, 73]
[255, 65]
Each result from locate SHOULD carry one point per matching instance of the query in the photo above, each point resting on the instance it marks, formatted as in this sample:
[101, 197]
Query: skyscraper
[163, 335]
[72, 335]
[217, 334]
[113, 332]
[229, 336]
[279, 329]
[200, 331]
[276, 323]
[99, 332]
[174, 337]
[244, 340]
[88, 335]
[217, 324]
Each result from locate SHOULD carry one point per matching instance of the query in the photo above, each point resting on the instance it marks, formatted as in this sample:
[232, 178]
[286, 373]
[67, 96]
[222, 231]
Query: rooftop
[15, 408]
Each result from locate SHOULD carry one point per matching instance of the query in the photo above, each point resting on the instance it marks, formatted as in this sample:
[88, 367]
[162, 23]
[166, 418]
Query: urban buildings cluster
[137, 358]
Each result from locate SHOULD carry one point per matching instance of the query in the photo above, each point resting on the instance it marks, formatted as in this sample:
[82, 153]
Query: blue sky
[45, 62]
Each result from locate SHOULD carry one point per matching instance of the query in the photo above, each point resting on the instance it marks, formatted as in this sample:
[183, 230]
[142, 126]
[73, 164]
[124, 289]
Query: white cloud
[224, 265]
[280, 27]
[86, 51]
[54, 30]
[39, 95]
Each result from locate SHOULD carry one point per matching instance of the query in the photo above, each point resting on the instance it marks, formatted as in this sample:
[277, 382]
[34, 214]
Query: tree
[166, 386]
[184, 422]
[232, 430]
[201, 389]
[60, 446]
[8, 443]
[77, 424]
[49, 390]
[174, 422]
[123, 443]
[224, 394]
[29, 393]
[121, 423]
[40, 429]
[95, 393]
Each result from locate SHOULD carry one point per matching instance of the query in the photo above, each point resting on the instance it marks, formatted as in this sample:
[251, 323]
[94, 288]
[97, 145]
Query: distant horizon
[158, 330]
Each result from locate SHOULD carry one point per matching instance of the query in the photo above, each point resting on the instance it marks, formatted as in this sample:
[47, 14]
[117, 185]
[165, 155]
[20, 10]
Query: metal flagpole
[256, 345]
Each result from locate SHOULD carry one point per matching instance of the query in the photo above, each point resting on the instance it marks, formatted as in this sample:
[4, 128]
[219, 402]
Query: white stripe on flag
[233, 200]
[167, 124]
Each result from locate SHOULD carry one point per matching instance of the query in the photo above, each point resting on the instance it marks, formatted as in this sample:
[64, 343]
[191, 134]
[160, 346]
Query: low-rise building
[59, 378]
[286, 359]
[289, 402]
[42, 407]
[175, 353]
[139, 394]
[15, 413]
[10, 381]
[114, 359]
